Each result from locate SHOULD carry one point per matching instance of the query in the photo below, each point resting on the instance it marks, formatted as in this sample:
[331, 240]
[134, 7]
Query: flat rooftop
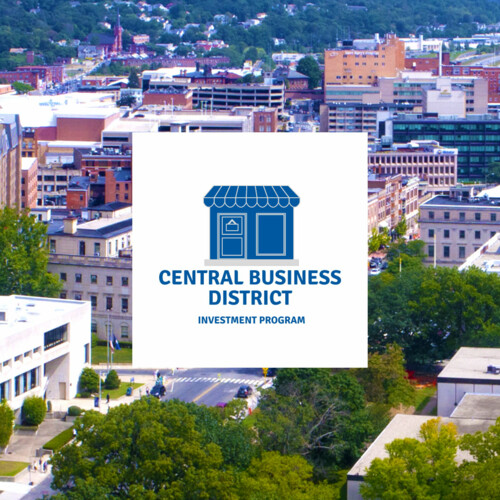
[408, 426]
[446, 201]
[22, 311]
[482, 406]
[471, 363]
[27, 163]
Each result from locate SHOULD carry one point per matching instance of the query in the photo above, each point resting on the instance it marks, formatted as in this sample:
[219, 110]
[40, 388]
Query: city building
[477, 139]
[265, 120]
[468, 390]
[94, 261]
[450, 95]
[467, 373]
[390, 199]
[486, 257]
[453, 226]
[29, 182]
[427, 160]
[358, 117]
[364, 61]
[44, 345]
[10, 161]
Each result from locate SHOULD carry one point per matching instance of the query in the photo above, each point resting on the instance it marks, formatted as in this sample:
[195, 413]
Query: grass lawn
[117, 393]
[422, 397]
[100, 353]
[8, 468]
[57, 442]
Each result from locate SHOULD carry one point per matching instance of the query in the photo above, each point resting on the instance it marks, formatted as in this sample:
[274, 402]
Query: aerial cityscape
[80, 81]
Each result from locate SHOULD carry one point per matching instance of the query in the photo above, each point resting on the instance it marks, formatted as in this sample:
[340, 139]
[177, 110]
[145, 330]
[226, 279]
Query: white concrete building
[44, 345]
[467, 373]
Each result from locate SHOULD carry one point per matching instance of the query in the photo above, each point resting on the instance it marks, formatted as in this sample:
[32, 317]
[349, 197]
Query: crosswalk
[241, 381]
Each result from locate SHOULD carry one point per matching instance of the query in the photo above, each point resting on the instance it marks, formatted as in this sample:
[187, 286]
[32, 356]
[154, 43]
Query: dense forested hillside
[314, 25]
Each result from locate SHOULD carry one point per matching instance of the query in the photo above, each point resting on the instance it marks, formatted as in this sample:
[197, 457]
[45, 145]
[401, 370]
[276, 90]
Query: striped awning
[251, 196]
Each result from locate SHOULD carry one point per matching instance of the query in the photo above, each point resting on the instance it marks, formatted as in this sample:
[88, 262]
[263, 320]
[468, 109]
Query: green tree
[423, 468]
[316, 413]
[24, 256]
[148, 449]
[34, 410]
[112, 380]
[276, 477]
[309, 67]
[401, 228]
[88, 382]
[6, 423]
[133, 79]
[127, 100]
[22, 88]
[378, 239]
[480, 478]
[385, 380]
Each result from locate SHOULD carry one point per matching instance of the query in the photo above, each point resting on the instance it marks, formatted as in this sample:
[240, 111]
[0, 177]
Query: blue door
[232, 236]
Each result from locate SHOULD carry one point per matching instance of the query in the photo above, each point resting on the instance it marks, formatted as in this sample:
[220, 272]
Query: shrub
[74, 411]
[60, 440]
[112, 380]
[6, 422]
[34, 410]
[89, 381]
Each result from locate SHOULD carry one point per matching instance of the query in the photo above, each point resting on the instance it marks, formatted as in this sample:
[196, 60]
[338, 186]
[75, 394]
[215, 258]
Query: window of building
[56, 336]
[78, 296]
[431, 215]
[78, 278]
[493, 217]
[93, 301]
[125, 305]
[446, 233]
[52, 246]
[82, 247]
[63, 276]
[124, 331]
[446, 251]
[93, 327]
[492, 233]
[109, 280]
[63, 295]
[430, 250]
[461, 235]
[109, 303]
[461, 216]
[124, 280]
[97, 249]
[446, 215]
[477, 235]
[93, 279]
[431, 233]
[477, 216]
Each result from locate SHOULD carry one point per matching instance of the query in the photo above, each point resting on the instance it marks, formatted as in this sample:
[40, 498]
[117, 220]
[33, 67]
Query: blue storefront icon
[251, 222]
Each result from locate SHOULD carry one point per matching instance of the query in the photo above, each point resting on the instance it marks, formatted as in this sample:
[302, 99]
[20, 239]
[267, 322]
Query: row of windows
[93, 279]
[93, 301]
[462, 216]
[461, 234]
[446, 251]
[82, 246]
[124, 329]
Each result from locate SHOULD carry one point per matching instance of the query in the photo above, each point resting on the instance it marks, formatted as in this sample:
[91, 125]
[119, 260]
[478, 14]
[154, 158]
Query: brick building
[265, 120]
[364, 63]
[10, 161]
[427, 160]
[84, 125]
[29, 182]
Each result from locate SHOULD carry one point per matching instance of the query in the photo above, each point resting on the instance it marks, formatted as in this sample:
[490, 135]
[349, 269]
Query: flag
[111, 346]
[115, 343]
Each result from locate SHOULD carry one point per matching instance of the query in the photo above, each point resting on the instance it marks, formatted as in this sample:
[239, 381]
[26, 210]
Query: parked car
[244, 391]
[374, 271]
[158, 391]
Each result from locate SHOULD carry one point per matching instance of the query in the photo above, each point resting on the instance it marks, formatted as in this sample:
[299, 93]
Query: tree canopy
[431, 312]
[24, 256]
[175, 450]
[309, 67]
[428, 467]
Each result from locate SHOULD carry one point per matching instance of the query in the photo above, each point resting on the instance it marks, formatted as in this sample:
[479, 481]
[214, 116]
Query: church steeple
[118, 34]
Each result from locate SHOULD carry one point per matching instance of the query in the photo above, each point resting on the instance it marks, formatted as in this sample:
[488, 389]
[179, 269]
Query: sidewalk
[23, 446]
